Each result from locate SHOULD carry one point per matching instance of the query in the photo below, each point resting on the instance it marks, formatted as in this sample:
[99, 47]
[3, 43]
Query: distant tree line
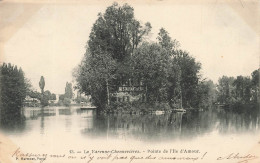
[44, 96]
[119, 51]
[240, 93]
[45, 99]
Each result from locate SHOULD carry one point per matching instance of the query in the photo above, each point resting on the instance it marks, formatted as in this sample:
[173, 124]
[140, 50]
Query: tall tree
[117, 52]
[205, 95]
[242, 88]
[94, 76]
[117, 32]
[12, 92]
[44, 98]
[68, 91]
[113, 38]
[225, 90]
[189, 70]
[255, 86]
[174, 89]
[42, 84]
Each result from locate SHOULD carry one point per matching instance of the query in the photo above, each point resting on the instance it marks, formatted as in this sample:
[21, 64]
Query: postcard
[129, 81]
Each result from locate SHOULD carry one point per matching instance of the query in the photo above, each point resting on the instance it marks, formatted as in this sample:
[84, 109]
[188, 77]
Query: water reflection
[50, 120]
[12, 119]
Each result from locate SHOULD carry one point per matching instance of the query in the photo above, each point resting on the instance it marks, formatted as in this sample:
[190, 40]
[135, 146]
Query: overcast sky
[52, 42]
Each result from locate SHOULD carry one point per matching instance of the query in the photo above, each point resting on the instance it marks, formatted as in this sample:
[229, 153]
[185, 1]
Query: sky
[51, 43]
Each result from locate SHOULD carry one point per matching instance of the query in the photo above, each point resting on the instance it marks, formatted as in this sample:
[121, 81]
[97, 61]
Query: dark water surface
[83, 124]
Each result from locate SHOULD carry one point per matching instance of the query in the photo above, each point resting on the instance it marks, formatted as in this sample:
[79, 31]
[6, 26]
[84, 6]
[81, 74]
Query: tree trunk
[108, 100]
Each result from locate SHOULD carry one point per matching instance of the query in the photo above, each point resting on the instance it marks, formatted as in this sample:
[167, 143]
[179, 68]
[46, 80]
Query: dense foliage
[114, 37]
[240, 93]
[119, 52]
[12, 92]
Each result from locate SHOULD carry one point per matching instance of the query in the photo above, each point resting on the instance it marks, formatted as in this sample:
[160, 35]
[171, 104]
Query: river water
[59, 129]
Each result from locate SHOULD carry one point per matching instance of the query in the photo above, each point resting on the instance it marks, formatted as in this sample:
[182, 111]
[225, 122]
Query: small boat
[87, 107]
[180, 110]
[159, 112]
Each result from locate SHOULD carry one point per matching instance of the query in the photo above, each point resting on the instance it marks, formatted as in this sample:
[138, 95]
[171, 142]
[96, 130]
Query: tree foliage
[68, 91]
[151, 65]
[205, 94]
[240, 93]
[189, 76]
[112, 40]
[49, 95]
[12, 92]
[42, 84]
[225, 89]
[118, 52]
[166, 41]
[117, 32]
[255, 86]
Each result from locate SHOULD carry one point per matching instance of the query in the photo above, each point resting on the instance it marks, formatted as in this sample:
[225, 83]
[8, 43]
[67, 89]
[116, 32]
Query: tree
[42, 84]
[225, 90]
[47, 94]
[151, 64]
[34, 94]
[166, 42]
[68, 91]
[242, 88]
[205, 94]
[66, 101]
[12, 92]
[53, 96]
[117, 32]
[113, 38]
[241, 94]
[255, 86]
[94, 75]
[28, 85]
[212, 92]
[117, 53]
[61, 97]
[174, 89]
[183, 74]
[189, 76]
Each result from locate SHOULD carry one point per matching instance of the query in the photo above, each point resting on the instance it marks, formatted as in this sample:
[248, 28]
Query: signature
[239, 157]
[28, 156]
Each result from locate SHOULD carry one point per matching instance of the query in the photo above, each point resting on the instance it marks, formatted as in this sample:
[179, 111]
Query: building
[129, 92]
[29, 101]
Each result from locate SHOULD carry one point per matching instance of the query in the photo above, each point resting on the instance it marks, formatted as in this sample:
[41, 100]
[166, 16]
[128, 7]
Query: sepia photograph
[129, 81]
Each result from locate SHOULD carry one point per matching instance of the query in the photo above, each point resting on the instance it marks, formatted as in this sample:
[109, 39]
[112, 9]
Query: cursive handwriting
[239, 157]
[28, 156]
